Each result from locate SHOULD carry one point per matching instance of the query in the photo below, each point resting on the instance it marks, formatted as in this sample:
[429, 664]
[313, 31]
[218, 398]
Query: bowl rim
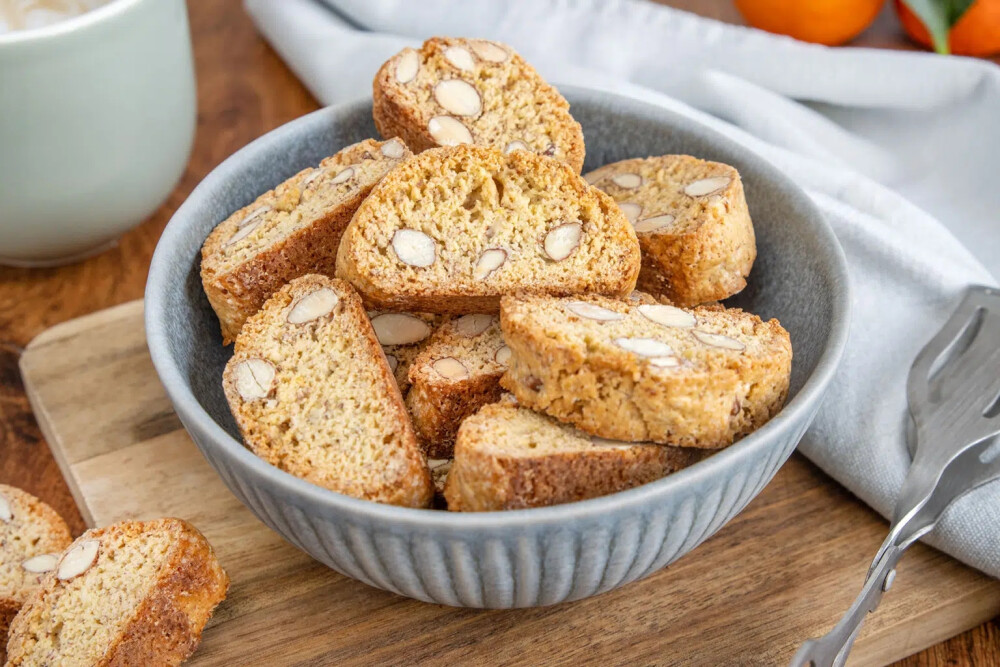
[324, 500]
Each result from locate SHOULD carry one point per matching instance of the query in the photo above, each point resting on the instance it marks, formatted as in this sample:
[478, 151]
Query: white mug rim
[77, 23]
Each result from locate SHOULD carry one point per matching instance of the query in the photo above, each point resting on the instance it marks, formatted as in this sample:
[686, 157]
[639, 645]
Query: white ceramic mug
[97, 119]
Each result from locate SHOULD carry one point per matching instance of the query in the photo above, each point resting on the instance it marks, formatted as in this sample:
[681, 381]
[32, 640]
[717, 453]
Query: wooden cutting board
[782, 571]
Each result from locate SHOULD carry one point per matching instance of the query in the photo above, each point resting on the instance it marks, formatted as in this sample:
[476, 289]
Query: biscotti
[289, 231]
[455, 374]
[509, 457]
[133, 593]
[696, 378]
[312, 394]
[692, 221]
[472, 91]
[32, 537]
[453, 229]
[402, 336]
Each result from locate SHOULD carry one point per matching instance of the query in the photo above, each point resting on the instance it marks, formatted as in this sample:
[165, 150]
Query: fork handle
[831, 649]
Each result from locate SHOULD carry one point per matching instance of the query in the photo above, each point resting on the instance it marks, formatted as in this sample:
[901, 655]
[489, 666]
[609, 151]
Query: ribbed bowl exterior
[527, 557]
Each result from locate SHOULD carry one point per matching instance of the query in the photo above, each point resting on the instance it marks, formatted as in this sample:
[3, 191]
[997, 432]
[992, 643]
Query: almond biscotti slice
[692, 221]
[453, 229]
[289, 231]
[508, 457]
[312, 394]
[472, 91]
[455, 374]
[402, 337]
[646, 372]
[133, 593]
[32, 537]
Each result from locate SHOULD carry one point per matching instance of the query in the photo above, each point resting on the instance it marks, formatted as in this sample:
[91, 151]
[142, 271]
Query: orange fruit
[977, 32]
[829, 22]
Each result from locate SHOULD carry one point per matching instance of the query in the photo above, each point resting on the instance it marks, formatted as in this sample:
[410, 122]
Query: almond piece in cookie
[289, 231]
[32, 538]
[472, 91]
[692, 221]
[509, 457]
[455, 374]
[402, 336]
[644, 371]
[453, 229]
[133, 593]
[317, 398]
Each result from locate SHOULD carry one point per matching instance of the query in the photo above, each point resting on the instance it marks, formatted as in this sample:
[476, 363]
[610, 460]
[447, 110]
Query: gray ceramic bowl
[526, 557]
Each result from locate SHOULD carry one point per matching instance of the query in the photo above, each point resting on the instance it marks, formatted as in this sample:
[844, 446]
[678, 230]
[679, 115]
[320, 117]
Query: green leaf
[939, 16]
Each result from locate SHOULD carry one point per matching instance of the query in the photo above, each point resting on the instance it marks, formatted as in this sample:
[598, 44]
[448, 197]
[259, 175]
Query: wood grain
[244, 90]
[780, 572]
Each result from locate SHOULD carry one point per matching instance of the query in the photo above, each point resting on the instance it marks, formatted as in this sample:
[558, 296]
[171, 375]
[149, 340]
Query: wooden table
[244, 90]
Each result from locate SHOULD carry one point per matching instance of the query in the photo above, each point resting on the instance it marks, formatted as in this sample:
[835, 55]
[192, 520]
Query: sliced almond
[718, 340]
[5, 514]
[471, 326]
[631, 210]
[393, 362]
[407, 66]
[488, 262]
[665, 362]
[654, 223]
[550, 150]
[502, 356]
[393, 149]
[458, 97]
[562, 240]
[593, 312]
[448, 131]
[706, 186]
[400, 329]
[414, 248]
[668, 316]
[488, 50]
[314, 305]
[242, 232]
[342, 176]
[252, 215]
[594, 176]
[516, 145]
[450, 368]
[645, 347]
[460, 58]
[316, 173]
[40, 563]
[438, 465]
[627, 181]
[78, 559]
[254, 379]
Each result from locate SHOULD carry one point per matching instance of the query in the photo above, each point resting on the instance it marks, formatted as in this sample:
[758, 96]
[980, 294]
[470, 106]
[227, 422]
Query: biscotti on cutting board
[289, 231]
[32, 537]
[453, 229]
[472, 91]
[692, 221]
[508, 457]
[313, 395]
[696, 378]
[456, 373]
[133, 593]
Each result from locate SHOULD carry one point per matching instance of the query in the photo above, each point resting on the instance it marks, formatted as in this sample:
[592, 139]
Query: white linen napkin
[877, 138]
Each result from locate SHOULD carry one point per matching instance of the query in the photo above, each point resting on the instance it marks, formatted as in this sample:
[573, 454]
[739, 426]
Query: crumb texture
[509, 457]
[692, 221]
[471, 91]
[313, 394]
[453, 229]
[646, 372]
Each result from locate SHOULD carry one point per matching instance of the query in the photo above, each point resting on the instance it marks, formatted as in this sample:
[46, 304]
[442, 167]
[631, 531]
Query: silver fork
[953, 390]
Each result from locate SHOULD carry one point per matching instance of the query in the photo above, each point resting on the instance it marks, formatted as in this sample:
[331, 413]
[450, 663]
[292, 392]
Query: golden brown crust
[547, 127]
[236, 292]
[472, 214]
[284, 429]
[8, 610]
[486, 478]
[573, 369]
[707, 253]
